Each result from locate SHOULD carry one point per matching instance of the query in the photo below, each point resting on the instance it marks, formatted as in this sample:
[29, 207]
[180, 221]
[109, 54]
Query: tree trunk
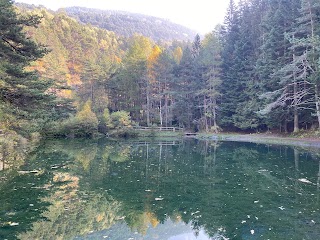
[285, 126]
[166, 109]
[160, 114]
[318, 181]
[214, 115]
[296, 120]
[148, 105]
[204, 113]
[316, 95]
[295, 101]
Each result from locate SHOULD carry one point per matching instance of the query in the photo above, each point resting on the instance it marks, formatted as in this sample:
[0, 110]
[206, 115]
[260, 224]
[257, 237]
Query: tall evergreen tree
[188, 77]
[211, 59]
[24, 97]
[306, 38]
[275, 54]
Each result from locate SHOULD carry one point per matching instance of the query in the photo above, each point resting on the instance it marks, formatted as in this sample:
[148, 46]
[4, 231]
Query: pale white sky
[199, 15]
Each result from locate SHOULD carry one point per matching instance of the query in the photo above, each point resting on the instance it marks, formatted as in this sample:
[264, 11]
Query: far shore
[311, 142]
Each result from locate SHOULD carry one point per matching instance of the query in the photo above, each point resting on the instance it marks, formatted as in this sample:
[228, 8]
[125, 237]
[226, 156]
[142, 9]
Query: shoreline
[264, 139]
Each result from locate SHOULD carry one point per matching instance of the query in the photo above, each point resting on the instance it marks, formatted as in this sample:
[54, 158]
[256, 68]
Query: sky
[199, 15]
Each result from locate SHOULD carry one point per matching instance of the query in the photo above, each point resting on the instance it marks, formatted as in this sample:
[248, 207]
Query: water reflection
[162, 190]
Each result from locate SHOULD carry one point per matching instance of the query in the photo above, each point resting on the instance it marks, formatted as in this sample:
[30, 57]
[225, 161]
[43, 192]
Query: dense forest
[124, 24]
[258, 71]
[127, 24]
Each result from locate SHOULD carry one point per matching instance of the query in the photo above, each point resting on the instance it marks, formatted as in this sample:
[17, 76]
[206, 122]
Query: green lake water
[166, 190]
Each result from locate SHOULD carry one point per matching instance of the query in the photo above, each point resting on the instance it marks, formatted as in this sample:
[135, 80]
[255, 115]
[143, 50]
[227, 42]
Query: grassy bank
[302, 139]
[158, 134]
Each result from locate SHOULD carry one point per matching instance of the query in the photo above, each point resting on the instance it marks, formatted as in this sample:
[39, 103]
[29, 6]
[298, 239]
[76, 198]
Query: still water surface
[166, 190]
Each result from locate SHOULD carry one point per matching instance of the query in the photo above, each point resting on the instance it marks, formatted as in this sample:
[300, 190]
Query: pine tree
[275, 54]
[26, 97]
[187, 78]
[235, 67]
[306, 39]
[211, 59]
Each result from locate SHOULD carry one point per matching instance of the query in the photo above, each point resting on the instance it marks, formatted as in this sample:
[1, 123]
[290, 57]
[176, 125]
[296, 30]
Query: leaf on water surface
[13, 224]
[304, 180]
[26, 172]
[195, 212]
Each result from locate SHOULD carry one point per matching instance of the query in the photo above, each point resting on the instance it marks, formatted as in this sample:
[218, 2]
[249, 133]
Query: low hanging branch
[297, 92]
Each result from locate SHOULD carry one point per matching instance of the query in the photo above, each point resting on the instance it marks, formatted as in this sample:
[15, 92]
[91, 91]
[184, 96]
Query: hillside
[75, 48]
[126, 24]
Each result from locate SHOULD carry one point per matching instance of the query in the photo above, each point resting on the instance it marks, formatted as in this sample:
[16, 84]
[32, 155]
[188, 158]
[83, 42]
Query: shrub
[84, 124]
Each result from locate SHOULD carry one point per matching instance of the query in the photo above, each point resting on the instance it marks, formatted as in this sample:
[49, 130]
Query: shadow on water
[161, 190]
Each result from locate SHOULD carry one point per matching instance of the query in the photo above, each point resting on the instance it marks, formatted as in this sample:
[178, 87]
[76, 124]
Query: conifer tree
[211, 60]
[275, 54]
[23, 95]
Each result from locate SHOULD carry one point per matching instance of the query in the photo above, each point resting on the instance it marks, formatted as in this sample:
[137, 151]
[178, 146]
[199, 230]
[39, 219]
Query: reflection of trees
[20, 201]
[46, 196]
[210, 185]
[13, 151]
[162, 171]
[72, 213]
[260, 182]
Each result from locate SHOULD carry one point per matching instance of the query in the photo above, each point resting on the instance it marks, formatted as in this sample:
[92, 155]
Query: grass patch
[153, 133]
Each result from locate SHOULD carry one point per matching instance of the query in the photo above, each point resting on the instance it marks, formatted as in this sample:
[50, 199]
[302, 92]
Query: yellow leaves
[152, 60]
[140, 48]
[66, 94]
[177, 54]
[65, 25]
[156, 51]
[103, 45]
[73, 79]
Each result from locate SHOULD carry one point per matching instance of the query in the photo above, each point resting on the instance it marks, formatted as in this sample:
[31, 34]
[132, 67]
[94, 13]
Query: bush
[84, 124]
[118, 123]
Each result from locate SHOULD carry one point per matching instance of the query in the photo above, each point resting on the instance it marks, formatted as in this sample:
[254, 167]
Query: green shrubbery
[118, 123]
[83, 124]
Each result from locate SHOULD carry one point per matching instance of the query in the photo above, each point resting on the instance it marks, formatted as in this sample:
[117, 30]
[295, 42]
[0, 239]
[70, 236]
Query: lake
[173, 190]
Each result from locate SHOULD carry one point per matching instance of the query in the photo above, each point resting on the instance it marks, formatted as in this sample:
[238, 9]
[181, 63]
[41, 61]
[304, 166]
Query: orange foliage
[117, 59]
[100, 217]
[152, 60]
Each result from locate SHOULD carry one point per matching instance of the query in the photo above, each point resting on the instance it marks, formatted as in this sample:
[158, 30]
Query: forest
[256, 72]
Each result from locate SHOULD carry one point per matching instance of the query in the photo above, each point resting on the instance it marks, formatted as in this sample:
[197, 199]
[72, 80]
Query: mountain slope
[126, 24]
